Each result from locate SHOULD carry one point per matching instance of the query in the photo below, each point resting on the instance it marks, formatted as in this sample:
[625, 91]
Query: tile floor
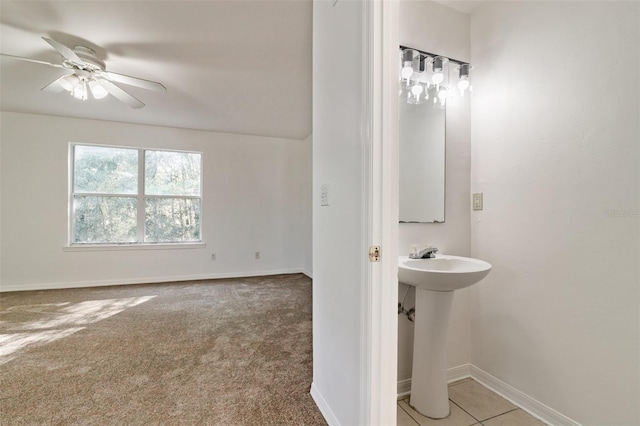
[471, 404]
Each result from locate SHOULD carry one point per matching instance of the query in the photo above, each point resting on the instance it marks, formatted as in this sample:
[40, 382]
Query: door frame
[379, 320]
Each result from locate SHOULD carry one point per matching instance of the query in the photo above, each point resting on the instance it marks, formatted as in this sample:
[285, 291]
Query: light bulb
[415, 96]
[463, 74]
[442, 93]
[97, 90]
[463, 85]
[407, 71]
[442, 96]
[408, 56]
[80, 91]
[437, 68]
[69, 82]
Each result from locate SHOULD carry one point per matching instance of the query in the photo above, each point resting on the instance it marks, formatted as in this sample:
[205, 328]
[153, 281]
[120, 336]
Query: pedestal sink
[435, 280]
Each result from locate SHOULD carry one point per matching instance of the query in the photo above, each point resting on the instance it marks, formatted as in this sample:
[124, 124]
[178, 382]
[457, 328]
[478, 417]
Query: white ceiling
[234, 66]
[465, 6]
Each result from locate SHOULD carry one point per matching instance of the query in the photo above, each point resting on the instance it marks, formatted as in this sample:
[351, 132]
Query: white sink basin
[435, 280]
[442, 273]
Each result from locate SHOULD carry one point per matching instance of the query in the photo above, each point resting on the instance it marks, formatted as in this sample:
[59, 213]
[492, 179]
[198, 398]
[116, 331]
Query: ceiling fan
[88, 75]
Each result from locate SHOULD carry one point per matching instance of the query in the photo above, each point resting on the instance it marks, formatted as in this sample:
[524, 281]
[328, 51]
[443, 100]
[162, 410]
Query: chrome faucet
[425, 253]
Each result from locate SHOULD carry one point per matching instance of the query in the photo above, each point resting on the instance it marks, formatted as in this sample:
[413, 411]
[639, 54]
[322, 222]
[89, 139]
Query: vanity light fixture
[407, 63]
[418, 93]
[438, 69]
[425, 76]
[442, 94]
[463, 77]
[417, 89]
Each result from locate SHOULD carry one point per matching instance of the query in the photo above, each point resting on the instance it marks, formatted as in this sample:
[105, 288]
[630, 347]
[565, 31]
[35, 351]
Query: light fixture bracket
[433, 55]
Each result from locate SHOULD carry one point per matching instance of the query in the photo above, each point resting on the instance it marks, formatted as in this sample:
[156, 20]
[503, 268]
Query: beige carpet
[218, 352]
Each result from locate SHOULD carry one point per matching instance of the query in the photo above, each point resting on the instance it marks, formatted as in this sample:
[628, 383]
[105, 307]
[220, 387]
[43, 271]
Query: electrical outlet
[213, 256]
[257, 255]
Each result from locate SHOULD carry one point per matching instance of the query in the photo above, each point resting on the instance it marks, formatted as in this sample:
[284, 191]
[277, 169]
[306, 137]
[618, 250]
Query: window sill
[117, 247]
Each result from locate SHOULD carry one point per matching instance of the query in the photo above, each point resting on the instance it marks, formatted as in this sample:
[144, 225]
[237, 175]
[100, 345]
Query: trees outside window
[135, 196]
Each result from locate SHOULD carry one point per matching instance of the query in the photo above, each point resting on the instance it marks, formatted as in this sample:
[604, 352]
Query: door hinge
[374, 254]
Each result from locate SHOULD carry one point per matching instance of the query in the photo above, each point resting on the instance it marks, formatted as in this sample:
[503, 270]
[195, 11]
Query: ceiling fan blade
[134, 81]
[120, 94]
[20, 58]
[55, 86]
[66, 53]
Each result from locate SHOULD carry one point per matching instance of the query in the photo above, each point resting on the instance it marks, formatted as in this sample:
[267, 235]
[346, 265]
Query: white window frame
[141, 205]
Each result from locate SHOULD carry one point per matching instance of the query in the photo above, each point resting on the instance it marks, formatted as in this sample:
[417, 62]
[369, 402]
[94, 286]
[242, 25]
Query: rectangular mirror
[422, 162]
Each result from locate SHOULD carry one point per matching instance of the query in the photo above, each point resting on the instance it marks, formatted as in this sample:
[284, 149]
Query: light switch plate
[477, 201]
[324, 194]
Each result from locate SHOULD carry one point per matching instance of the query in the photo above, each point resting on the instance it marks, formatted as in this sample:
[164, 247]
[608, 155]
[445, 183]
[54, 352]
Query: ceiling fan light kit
[89, 75]
[97, 90]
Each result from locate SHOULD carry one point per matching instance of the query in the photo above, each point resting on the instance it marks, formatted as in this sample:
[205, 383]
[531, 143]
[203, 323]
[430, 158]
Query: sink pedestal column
[429, 392]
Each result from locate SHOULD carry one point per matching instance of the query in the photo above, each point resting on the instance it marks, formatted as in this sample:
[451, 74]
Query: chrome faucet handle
[425, 253]
[430, 252]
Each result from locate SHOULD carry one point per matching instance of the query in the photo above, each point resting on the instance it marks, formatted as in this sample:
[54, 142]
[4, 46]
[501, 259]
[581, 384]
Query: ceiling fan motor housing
[88, 55]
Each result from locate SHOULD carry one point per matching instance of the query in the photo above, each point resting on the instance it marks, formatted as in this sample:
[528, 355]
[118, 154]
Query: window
[134, 196]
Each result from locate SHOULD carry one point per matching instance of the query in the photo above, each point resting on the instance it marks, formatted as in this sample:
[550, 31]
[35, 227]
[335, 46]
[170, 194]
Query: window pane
[172, 173]
[101, 220]
[172, 220]
[105, 170]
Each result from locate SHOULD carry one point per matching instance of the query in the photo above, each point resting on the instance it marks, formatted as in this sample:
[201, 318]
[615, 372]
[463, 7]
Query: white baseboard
[147, 280]
[404, 388]
[458, 373]
[532, 406]
[323, 406]
[453, 375]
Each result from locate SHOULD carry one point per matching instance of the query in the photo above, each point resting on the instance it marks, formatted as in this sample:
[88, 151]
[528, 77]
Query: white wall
[337, 228]
[305, 216]
[254, 200]
[555, 140]
[0, 204]
[435, 28]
